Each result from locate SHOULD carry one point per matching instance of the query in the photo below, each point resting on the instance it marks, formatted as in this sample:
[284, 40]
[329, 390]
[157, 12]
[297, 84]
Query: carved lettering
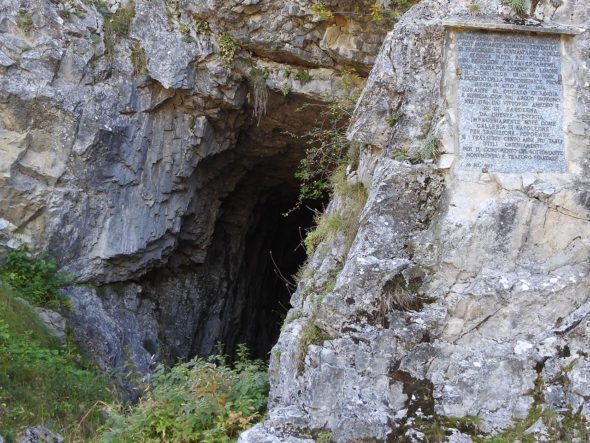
[510, 116]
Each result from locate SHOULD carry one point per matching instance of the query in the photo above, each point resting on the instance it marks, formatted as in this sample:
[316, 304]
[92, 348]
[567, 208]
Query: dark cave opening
[263, 251]
[273, 255]
[231, 288]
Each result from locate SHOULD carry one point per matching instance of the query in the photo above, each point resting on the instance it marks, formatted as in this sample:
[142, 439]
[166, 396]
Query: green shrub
[518, 6]
[227, 47]
[201, 400]
[36, 278]
[138, 59]
[302, 76]
[328, 146]
[41, 382]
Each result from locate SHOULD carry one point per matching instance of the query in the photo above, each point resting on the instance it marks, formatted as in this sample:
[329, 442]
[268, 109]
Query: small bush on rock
[201, 400]
[36, 278]
[43, 382]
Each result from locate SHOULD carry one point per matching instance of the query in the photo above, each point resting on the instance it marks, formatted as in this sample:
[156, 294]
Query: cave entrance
[264, 246]
[225, 281]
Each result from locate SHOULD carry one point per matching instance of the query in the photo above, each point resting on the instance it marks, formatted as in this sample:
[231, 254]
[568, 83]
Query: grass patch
[138, 60]
[115, 25]
[311, 335]
[24, 20]
[519, 6]
[354, 197]
[42, 383]
[201, 400]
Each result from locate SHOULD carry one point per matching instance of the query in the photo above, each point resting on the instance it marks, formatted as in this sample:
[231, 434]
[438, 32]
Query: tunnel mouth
[270, 234]
[237, 287]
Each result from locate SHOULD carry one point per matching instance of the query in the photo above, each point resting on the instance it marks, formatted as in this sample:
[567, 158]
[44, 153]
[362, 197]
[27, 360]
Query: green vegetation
[201, 400]
[294, 314]
[311, 335]
[326, 229]
[138, 59]
[474, 8]
[346, 221]
[41, 382]
[393, 10]
[287, 73]
[95, 38]
[328, 147]
[285, 91]
[202, 26]
[227, 47]
[519, 6]
[115, 25]
[392, 120]
[184, 28]
[302, 76]
[35, 278]
[563, 426]
[322, 12]
[24, 20]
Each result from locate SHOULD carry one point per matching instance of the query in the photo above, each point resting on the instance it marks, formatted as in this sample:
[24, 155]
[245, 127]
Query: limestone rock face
[128, 151]
[464, 294]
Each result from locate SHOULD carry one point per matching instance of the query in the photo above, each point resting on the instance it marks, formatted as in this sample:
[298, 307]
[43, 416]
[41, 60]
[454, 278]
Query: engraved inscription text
[510, 116]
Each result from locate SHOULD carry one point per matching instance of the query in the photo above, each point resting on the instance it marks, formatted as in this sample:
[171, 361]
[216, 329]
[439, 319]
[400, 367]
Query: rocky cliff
[133, 151]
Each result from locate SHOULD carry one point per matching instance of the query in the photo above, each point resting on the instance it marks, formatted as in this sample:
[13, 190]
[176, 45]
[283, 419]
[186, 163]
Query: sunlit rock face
[130, 151]
[465, 293]
[134, 157]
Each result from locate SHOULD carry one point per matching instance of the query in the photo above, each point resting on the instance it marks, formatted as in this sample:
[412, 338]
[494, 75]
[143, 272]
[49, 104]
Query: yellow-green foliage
[354, 197]
[197, 401]
[41, 382]
[138, 59]
[321, 10]
[326, 229]
[227, 47]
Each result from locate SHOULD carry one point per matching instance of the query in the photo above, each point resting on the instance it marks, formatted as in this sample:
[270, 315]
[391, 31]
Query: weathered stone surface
[55, 322]
[462, 289]
[130, 153]
[38, 434]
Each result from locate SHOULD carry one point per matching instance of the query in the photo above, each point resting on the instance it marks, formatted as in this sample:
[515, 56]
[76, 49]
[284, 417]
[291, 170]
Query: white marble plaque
[510, 102]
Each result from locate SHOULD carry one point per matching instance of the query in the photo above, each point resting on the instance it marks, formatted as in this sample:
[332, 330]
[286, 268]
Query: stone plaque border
[504, 164]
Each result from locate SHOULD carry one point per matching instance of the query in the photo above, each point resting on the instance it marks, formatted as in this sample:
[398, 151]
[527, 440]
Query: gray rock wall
[126, 143]
[130, 157]
[464, 294]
